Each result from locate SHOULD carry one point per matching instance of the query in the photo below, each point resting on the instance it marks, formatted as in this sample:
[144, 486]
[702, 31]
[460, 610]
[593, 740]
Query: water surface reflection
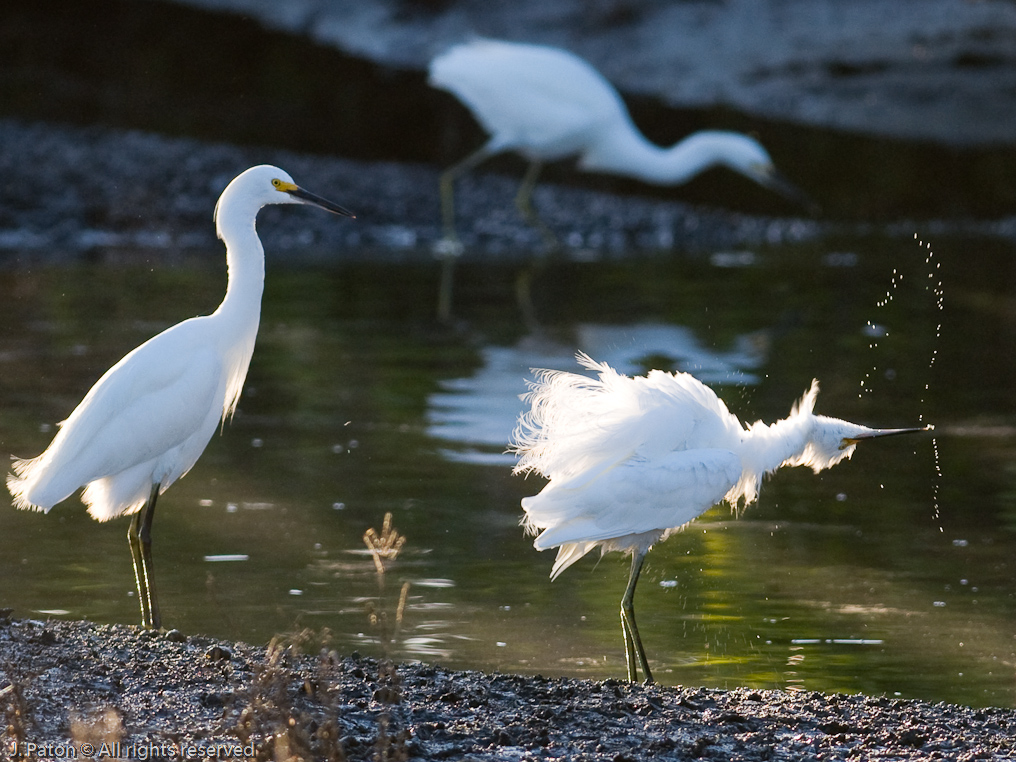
[481, 411]
[877, 576]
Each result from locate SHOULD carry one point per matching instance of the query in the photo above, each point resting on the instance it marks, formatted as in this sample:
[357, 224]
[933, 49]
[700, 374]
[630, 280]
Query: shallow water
[891, 573]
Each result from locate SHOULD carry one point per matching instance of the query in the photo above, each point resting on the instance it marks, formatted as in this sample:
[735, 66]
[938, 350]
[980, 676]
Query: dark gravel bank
[70, 192]
[74, 683]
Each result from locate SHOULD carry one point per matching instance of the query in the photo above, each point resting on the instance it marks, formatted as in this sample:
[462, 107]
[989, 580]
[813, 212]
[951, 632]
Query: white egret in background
[148, 419]
[632, 460]
[548, 104]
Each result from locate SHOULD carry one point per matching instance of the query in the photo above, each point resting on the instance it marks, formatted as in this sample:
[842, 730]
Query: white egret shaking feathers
[148, 419]
[633, 460]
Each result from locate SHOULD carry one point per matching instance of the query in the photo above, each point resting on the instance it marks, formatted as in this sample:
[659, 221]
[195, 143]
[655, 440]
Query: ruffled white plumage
[632, 460]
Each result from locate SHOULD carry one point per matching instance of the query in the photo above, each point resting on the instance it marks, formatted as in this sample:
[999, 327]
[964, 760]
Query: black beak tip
[792, 193]
[315, 200]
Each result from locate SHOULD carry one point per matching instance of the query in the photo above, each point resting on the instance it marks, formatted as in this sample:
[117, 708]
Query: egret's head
[747, 156]
[827, 441]
[262, 185]
[294, 194]
[744, 154]
[832, 440]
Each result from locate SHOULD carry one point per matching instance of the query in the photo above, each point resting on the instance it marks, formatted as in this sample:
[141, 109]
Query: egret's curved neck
[623, 150]
[767, 447]
[245, 262]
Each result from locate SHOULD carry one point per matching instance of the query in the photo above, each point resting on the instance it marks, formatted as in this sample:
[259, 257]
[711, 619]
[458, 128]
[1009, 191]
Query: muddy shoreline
[104, 194]
[99, 192]
[67, 684]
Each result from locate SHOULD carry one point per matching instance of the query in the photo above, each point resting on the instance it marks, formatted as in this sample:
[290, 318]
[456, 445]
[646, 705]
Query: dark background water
[891, 573]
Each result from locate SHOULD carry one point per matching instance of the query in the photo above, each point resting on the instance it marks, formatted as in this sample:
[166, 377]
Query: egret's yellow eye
[282, 185]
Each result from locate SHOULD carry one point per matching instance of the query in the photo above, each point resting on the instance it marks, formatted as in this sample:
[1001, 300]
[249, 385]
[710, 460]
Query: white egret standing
[632, 460]
[548, 104]
[148, 419]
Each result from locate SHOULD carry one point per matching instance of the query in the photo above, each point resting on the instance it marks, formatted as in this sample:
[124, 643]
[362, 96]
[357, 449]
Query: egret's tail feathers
[23, 485]
[38, 485]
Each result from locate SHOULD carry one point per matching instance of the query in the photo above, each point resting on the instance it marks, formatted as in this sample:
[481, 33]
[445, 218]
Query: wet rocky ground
[72, 192]
[70, 684]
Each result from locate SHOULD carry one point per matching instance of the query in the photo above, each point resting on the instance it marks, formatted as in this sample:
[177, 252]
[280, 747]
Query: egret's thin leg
[629, 652]
[524, 203]
[146, 548]
[449, 248]
[632, 642]
[139, 537]
[448, 178]
[140, 579]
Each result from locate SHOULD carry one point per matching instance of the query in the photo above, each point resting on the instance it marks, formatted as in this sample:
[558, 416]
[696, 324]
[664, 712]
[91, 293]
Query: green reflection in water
[846, 581]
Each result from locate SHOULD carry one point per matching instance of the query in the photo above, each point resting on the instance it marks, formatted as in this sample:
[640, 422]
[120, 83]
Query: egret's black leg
[133, 530]
[139, 537]
[634, 652]
[449, 248]
[629, 651]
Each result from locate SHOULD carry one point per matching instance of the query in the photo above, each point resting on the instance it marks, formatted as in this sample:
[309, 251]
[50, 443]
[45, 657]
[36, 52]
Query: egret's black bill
[878, 433]
[777, 182]
[313, 198]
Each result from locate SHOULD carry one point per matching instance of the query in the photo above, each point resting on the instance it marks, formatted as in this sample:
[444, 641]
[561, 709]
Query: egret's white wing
[633, 498]
[150, 402]
[528, 95]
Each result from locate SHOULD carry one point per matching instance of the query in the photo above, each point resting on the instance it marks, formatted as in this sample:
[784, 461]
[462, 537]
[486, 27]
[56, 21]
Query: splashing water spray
[876, 332]
[934, 284]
